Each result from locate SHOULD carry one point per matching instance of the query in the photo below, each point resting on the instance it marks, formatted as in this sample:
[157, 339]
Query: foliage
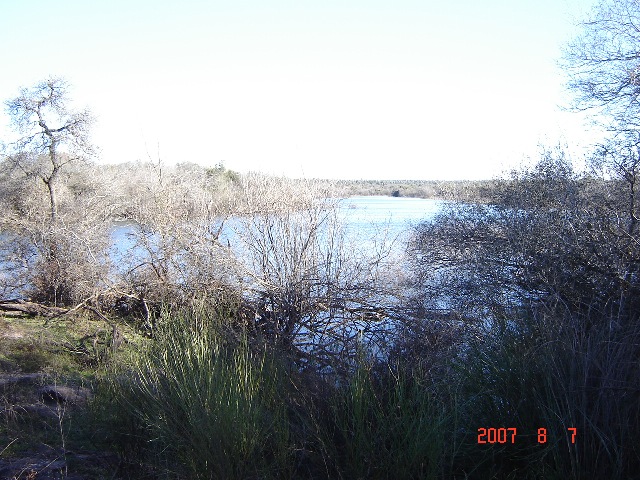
[387, 422]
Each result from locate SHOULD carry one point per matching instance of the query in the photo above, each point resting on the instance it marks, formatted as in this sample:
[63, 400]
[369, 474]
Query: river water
[394, 215]
[364, 218]
[398, 212]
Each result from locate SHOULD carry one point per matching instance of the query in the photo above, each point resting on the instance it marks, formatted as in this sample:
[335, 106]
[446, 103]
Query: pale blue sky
[337, 89]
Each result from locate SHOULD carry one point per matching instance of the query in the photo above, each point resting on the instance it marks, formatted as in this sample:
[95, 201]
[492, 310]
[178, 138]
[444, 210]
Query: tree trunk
[31, 308]
[53, 199]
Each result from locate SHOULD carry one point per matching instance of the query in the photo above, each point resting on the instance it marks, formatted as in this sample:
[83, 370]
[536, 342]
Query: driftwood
[23, 307]
[13, 307]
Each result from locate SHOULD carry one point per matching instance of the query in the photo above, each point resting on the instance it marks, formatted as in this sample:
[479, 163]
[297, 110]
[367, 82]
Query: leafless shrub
[541, 237]
[174, 220]
[316, 294]
[62, 262]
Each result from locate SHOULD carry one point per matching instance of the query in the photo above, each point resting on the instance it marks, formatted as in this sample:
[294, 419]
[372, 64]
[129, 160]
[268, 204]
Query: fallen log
[13, 307]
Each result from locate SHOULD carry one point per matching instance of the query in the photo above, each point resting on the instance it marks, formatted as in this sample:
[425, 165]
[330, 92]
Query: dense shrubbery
[208, 401]
[466, 191]
[544, 281]
[524, 317]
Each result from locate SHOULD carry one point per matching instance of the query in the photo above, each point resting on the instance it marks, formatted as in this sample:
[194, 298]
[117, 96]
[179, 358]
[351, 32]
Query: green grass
[35, 352]
[204, 402]
[62, 346]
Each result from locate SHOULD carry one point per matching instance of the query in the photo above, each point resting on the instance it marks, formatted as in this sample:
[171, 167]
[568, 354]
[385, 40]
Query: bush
[543, 281]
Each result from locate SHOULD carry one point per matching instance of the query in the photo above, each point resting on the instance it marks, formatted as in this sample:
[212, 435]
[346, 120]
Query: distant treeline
[462, 190]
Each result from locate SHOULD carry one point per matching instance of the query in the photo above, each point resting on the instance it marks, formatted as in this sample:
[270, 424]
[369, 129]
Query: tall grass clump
[386, 422]
[505, 383]
[208, 403]
[593, 385]
[552, 373]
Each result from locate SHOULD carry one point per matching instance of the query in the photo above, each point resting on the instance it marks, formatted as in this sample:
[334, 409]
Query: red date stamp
[508, 435]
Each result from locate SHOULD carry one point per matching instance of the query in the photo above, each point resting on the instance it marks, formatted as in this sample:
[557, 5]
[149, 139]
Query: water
[396, 212]
[368, 223]
[364, 218]
[392, 217]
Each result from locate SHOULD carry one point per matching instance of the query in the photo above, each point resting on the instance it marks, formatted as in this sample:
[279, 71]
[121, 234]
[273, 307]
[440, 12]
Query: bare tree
[52, 135]
[604, 64]
[54, 244]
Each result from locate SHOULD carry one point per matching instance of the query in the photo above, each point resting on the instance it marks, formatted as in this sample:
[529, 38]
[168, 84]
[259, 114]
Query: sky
[352, 89]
